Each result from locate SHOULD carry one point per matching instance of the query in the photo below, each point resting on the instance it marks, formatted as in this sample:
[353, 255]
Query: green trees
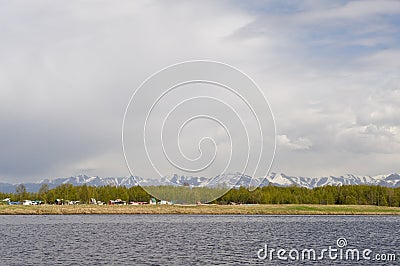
[348, 195]
[84, 194]
[20, 192]
[43, 191]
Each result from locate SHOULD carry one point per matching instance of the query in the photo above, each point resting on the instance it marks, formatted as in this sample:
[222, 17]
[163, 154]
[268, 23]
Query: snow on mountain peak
[230, 180]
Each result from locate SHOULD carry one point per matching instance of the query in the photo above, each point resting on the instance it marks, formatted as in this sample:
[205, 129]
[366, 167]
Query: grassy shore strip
[203, 209]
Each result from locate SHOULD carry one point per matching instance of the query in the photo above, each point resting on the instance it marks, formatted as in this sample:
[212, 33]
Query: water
[187, 239]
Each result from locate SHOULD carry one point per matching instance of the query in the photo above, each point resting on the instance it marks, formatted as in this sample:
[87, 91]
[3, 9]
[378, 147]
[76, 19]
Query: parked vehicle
[117, 202]
[5, 201]
[27, 202]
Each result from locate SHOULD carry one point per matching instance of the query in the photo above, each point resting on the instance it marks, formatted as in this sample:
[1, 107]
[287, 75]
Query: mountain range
[227, 180]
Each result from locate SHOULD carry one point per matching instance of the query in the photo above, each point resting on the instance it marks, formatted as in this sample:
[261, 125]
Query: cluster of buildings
[24, 202]
[152, 201]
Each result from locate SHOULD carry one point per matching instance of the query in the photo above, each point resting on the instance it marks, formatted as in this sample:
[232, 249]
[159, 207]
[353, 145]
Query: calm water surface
[188, 239]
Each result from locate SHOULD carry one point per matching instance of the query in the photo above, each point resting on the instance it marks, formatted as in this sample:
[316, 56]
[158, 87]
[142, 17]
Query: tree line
[341, 195]
[82, 193]
[346, 195]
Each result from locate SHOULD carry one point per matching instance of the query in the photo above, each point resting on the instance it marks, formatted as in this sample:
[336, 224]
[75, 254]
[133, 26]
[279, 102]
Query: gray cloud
[67, 70]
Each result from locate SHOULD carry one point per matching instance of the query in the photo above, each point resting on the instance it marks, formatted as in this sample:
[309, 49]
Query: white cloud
[296, 144]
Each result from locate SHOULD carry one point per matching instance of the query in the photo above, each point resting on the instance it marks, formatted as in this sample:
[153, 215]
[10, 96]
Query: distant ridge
[228, 180]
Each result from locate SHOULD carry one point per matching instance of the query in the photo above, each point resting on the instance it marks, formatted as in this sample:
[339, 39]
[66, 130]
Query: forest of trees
[349, 195]
[346, 195]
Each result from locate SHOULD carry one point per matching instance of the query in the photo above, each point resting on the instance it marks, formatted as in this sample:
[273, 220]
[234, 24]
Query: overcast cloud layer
[330, 70]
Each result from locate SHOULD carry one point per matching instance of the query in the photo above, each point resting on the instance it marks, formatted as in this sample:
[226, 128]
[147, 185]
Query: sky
[329, 69]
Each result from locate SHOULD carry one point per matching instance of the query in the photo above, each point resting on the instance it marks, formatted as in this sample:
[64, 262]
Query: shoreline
[206, 209]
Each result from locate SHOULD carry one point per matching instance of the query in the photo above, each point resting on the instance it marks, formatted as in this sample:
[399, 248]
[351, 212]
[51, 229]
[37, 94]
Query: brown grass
[290, 209]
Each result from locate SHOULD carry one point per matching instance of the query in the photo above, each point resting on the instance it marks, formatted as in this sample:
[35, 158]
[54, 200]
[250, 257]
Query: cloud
[67, 73]
[330, 70]
[297, 144]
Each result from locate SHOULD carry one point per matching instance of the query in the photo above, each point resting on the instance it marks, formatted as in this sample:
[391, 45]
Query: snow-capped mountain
[93, 181]
[391, 180]
[226, 180]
